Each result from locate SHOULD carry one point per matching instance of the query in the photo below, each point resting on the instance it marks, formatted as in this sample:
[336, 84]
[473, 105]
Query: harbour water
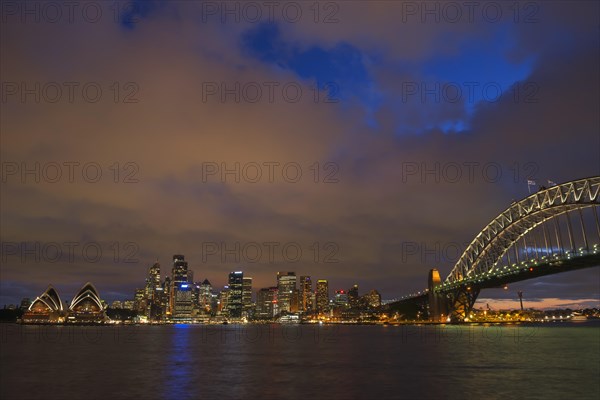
[559, 360]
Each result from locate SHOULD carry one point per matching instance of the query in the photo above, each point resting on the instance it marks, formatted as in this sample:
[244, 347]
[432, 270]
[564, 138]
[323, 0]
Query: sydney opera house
[48, 308]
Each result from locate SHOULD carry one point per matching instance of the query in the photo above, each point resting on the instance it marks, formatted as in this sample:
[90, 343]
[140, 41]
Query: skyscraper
[266, 303]
[181, 290]
[205, 296]
[180, 270]
[305, 294]
[154, 274]
[234, 302]
[152, 280]
[322, 296]
[246, 294]
[286, 285]
[195, 298]
[295, 301]
[154, 293]
[167, 297]
[158, 308]
[183, 303]
[140, 300]
[353, 298]
[222, 301]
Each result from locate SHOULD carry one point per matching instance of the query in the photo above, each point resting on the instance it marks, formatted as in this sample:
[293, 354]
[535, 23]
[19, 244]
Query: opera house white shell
[86, 307]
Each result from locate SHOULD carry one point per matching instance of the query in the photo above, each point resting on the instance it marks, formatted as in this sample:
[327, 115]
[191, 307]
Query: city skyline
[489, 253]
[542, 304]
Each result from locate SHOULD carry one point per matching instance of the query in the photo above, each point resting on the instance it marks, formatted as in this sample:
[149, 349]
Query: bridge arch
[494, 240]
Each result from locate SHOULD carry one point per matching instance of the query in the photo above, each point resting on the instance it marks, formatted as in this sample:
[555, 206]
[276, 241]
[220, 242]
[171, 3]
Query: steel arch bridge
[506, 250]
[482, 255]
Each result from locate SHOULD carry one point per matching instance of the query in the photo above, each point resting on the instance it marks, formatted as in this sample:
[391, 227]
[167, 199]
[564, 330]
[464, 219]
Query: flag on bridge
[530, 183]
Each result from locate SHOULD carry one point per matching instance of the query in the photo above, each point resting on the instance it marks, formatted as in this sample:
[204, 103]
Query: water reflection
[341, 362]
[179, 364]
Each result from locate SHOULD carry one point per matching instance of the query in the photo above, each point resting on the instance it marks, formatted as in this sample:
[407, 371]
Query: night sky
[353, 102]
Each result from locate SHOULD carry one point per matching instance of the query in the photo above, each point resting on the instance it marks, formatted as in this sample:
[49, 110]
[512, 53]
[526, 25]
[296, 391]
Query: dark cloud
[373, 208]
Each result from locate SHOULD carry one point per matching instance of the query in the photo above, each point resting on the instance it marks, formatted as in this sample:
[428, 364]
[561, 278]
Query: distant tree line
[10, 315]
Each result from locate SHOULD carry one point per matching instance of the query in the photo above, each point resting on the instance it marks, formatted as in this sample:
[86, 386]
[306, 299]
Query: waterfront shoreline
[421, 323]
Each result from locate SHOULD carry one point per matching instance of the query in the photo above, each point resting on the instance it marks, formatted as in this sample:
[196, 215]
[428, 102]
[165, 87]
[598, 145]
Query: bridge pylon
[462, 301]
[438, 307]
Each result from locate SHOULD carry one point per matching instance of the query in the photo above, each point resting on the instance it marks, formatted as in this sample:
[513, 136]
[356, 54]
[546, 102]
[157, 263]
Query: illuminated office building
[372, 299]
[140, 302]
[266, 303]
[117, 304]
[295, 301]
[223, 301]
[341, 298]
[205, 297]
[286, 285]
[154, 293]
[167, 301]
[181, 290]
[306, 294]
[179, 273]
[153, 281]
[353, 298]
[246, 294]
[157, 306]
[322, 296]
[182, 308]
[234, 301]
